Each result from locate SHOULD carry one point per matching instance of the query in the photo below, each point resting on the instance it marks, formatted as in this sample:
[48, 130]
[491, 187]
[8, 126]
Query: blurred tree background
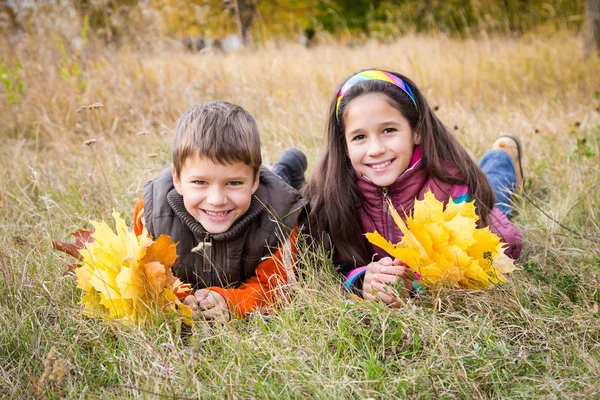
[260, 20]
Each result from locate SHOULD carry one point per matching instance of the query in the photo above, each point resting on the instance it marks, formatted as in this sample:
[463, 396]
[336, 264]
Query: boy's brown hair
[220, 131]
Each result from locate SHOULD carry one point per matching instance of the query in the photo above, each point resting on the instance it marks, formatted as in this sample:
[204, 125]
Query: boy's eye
[235, 183]
[199, 182]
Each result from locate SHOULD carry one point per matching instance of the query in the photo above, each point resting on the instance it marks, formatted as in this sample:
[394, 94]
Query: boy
[231, 217]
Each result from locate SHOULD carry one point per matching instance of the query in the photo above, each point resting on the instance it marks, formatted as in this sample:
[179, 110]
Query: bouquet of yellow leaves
[445, 247]
[127, 277]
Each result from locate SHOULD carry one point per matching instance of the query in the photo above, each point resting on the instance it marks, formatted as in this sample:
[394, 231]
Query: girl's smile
[379, 138]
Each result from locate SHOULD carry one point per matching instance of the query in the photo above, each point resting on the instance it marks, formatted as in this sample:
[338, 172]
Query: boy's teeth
[382, 165]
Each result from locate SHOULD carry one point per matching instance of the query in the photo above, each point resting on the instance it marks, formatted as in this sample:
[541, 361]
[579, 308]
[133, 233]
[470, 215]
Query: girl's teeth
[216, 214]
[382, 165]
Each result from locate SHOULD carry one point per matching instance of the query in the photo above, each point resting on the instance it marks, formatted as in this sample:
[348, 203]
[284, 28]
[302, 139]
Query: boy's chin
[213, 228]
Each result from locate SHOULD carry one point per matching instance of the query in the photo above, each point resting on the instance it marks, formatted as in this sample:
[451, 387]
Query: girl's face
[379, 138]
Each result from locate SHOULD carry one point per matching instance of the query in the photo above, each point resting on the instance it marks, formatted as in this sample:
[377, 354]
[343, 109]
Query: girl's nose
[216, 196]
[376, 147]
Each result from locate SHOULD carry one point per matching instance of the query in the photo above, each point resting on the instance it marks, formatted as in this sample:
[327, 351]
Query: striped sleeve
[460, 193]
[354, 278]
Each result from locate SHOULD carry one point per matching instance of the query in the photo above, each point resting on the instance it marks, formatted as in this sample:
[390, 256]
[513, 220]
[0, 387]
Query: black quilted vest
[225, 259]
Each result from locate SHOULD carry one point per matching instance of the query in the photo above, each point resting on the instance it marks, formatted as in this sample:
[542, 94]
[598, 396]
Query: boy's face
[216, 195]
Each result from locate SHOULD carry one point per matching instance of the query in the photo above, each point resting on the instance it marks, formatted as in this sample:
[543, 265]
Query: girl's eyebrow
[354, 131]
[390, 122]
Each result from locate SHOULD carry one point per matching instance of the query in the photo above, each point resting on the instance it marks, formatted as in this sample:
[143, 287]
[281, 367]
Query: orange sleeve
[261, 290]
[138, 217]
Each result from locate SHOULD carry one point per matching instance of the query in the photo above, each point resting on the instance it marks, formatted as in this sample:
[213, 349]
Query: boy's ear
[256, 181]
[176, 180]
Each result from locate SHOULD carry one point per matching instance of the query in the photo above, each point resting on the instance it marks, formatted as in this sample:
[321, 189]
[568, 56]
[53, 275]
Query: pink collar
[415, 157]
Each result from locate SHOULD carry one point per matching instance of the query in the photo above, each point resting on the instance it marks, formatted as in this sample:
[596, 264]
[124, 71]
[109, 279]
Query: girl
[385, 143]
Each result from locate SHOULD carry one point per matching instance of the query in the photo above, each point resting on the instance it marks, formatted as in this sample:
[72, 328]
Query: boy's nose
[216, 197]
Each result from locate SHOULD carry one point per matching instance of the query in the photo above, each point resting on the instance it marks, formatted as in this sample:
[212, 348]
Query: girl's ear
[176, 180]
[416, 138]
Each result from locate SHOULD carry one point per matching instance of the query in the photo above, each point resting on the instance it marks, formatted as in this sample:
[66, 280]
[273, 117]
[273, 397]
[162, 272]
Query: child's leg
[291, 166]
[499, 168]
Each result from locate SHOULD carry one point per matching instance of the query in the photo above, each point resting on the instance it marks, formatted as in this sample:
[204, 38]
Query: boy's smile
[216, 195]
[379, 138]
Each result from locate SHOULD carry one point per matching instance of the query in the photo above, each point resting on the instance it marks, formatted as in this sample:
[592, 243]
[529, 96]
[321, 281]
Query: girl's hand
[381, 277]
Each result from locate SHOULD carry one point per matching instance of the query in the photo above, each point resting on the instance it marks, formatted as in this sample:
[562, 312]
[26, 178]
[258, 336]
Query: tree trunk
[592, 33]
[245, 11]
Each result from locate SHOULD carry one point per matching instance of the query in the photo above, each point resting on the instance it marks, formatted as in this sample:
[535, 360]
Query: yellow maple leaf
[444, 245]
[128, 277]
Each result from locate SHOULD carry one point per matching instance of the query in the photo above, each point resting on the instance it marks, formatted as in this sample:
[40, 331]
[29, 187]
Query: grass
[537, 336]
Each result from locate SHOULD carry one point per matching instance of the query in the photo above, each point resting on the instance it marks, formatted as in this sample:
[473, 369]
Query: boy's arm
[138, 217]
[261, 291]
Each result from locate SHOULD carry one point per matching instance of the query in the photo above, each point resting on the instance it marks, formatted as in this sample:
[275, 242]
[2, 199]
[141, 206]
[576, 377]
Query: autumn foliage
[125, 276]
[445, 247]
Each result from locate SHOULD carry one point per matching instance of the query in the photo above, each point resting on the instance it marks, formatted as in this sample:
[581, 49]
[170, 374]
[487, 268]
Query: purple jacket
[411, 185]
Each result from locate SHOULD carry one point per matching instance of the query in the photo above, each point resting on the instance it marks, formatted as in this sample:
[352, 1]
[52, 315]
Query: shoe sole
[516, 140]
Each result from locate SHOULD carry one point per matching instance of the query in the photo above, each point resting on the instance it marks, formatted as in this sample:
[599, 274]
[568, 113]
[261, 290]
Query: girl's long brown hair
[331, 188]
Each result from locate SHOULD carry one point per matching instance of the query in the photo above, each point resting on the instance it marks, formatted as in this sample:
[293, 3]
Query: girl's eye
[388, 130]
[358, 137]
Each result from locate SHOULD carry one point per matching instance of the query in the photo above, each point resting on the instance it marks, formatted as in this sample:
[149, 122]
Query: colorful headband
[373, 75]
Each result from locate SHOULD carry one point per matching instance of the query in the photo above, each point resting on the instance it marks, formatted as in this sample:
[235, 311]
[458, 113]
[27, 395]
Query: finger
[373, 268]
[207, 304]
[201, 294]
[191, 302]
[215, 313]
[385, 261]
[393, 288]
[387, 298]
[385, 278]
[385, 288]
[397, 270]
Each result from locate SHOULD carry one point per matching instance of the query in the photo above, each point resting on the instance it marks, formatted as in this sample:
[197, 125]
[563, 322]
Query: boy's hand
[381, 276]
[207, 304]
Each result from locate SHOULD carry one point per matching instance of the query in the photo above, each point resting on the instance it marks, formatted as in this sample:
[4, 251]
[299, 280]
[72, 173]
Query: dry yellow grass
[62, 162]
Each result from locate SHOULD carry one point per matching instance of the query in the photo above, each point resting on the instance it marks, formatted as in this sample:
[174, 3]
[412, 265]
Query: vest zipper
[207, 245]
[386, 209]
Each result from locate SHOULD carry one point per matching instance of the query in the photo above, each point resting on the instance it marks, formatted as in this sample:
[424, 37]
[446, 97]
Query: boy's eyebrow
[228, 178]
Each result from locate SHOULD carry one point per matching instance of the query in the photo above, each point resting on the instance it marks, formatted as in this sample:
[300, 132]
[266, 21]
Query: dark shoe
[512, 146]
[291, 166]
